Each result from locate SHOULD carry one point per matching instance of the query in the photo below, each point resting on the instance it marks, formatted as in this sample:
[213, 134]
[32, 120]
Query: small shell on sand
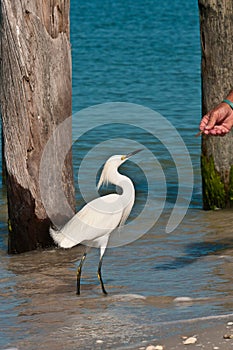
[190, 340]
[182, 299]
[152, 347]
[228, 336]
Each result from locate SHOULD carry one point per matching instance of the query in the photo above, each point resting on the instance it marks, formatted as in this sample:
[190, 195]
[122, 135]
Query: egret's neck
[125, 201]
[124, 182]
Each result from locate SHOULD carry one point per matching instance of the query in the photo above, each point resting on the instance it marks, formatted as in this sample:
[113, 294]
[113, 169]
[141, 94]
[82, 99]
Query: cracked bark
[35, 96]
[216, 29]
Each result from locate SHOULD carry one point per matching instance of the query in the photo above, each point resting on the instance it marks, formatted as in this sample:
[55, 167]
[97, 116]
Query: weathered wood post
[216, 27]
[35, 96]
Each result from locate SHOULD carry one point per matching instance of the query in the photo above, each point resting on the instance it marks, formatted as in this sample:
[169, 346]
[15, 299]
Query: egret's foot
[79, 272]
[104, 290]
[100, 278]
[102, 284]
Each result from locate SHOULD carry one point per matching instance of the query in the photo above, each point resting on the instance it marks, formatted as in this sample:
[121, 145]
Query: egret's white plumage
[93, 224]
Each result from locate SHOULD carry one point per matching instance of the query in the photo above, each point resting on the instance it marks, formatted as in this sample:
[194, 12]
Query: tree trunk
[35, 94]
[216, 25]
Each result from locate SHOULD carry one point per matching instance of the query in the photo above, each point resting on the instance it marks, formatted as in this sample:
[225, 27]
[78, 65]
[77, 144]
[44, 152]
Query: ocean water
[136, 83]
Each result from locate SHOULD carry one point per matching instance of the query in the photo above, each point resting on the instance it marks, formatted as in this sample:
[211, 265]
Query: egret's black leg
[100, 277]
[79, 272]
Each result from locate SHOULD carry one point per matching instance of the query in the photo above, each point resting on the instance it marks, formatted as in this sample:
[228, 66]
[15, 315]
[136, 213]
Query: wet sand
[210, 334]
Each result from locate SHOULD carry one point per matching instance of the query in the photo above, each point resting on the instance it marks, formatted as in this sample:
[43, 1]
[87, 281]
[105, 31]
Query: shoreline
[211, 333]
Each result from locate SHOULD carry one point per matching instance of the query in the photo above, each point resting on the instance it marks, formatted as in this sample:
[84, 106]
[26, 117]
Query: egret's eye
[123, 157]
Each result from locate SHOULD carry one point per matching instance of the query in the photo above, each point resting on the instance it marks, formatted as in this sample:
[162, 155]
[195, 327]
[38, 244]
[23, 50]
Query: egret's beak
[130, 154]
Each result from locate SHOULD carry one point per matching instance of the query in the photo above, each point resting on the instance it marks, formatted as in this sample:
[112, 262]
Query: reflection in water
[197, 250]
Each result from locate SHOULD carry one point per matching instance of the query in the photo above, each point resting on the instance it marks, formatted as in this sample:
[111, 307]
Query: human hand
[217, 121]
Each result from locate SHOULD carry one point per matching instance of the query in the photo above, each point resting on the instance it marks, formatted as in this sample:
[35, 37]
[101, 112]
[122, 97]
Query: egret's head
[113, 163]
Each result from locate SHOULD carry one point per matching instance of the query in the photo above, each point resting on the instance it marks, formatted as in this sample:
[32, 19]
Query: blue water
[141, 52]
[146, 53]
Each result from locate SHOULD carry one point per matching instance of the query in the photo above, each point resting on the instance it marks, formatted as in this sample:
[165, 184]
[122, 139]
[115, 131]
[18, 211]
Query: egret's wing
[97, 218]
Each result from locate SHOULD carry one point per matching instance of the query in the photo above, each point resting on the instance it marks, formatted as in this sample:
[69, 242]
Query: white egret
[93, 224]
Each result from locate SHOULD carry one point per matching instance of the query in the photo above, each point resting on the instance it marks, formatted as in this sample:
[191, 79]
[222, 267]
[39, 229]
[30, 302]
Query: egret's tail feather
[61, 239]
[57, 235]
